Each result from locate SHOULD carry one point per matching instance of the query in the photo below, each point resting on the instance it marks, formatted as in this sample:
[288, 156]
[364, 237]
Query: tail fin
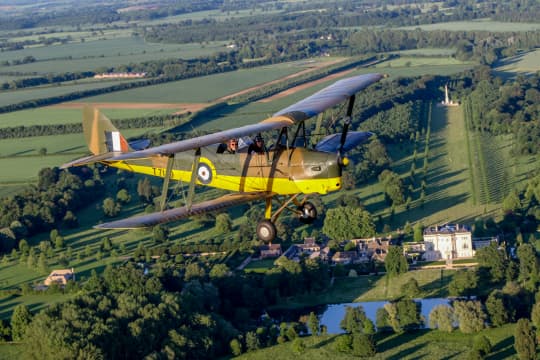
[100, 134]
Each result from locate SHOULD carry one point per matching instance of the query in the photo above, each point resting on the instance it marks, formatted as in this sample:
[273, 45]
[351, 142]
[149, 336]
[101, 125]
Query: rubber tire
[266, 231]
[309, 213]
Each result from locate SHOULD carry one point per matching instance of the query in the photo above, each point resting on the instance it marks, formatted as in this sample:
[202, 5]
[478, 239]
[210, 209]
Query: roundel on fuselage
[204, 173]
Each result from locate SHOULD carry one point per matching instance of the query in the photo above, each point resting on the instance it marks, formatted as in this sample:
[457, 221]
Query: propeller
[343, 161]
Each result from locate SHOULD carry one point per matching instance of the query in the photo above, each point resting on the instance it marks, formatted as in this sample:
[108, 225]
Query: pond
[331, 315]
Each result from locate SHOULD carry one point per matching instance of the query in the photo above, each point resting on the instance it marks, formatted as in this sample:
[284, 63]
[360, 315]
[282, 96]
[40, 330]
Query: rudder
[100, 134]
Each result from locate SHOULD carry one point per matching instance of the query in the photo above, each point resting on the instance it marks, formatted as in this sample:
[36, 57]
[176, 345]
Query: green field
[428, 52]
[432, 282]
[477, 25]
[44, 92]
[51, 115]
[204, 88]
[20, 160]
[526, 63]
[424, 344]
[106, 52]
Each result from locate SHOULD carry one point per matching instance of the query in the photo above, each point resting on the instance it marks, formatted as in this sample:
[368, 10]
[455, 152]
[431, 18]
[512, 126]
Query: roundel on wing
[204, 173]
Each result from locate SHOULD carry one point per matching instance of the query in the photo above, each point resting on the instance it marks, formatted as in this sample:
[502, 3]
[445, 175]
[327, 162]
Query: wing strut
[166, 179]
[194, 173]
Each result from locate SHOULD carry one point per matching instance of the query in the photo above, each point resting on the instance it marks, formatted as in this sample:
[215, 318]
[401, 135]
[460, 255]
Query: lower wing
[161, 217]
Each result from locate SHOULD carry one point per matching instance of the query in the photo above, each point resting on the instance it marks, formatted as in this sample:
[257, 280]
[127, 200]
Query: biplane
[286, 172]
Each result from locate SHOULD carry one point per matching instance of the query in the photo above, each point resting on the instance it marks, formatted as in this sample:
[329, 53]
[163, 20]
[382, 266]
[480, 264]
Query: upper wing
[161, 217]
[334, 94]
[329, 96]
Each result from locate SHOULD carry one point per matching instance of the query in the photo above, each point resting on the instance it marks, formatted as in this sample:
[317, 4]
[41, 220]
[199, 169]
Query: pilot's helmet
[258, 138]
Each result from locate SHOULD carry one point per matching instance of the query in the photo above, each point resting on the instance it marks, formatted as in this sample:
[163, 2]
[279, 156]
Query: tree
[494, 259]
[411, 289]
[344, 223]
[236, 347]
[418, 234]
[123, 196]
[223, 223]
[395, 262]
[356, 321]
[110, 207]
[528, 266]
[160, 233]
[59, 242]
[363, 345]
[463, 283]
[482, 344]
[535, 315]
[496, 308]
[525, 340]
[313, 323]
[442, 317]
[470, 316]
[20, 319]
[343, 343]
[298, 346]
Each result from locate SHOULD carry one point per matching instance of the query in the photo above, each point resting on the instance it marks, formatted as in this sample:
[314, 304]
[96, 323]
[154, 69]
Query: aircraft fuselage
[282, 171]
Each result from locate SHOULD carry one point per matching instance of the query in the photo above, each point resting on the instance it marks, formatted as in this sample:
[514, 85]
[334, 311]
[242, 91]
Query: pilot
[229, 148]
[257, 145]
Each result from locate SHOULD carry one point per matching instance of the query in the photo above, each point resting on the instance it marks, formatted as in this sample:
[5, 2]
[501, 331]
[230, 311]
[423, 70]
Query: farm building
[60, 277]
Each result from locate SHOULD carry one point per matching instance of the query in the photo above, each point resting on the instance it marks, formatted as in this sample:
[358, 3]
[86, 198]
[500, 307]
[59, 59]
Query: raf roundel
[204, 173]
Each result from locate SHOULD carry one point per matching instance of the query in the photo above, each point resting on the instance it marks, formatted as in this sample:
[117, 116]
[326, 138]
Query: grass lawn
[260, 266]
[525, 63]
[432, 282]
[425, 344]
[477, 25]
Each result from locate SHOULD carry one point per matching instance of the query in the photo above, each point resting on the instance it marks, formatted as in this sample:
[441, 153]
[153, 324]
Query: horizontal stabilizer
[331, 143]
[140, 144]
[88, 160]
[147, 220]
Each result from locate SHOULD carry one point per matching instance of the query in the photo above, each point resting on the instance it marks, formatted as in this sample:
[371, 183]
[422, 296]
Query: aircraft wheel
[309, 213]
[266, 231]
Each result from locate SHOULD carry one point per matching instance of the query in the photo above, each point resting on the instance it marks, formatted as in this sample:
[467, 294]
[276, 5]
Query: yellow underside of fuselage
[280, 186]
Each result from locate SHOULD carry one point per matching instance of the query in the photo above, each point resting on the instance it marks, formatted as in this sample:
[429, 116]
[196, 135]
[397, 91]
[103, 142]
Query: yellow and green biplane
[288, 171]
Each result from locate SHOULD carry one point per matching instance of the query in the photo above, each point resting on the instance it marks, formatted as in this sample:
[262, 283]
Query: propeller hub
[344, 161]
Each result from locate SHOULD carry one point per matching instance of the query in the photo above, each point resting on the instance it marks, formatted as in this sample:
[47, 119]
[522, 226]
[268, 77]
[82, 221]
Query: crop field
[426, 344]
[526, 63]
[18, 96]
[103, 53]
[256, 111]
[477, 25]
[205, 88]
[21, 161]
[428, 52]
[408, 62]
[52, 115]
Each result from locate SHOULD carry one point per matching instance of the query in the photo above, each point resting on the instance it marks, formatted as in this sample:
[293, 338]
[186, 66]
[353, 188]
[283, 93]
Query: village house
[60, 277]
[309, 248]
[345, 257]
[270, 251]
[372, 248]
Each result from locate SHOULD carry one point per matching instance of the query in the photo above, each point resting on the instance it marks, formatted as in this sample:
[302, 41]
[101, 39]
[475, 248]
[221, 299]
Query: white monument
[447, 101]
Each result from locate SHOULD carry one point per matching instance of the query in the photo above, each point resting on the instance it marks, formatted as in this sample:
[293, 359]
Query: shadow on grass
[407, 352]
[503, 349]
[324, 342]
[438, 288]
[392, 341]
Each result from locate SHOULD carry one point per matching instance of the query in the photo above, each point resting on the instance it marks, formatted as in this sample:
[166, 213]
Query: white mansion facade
[446, 242]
